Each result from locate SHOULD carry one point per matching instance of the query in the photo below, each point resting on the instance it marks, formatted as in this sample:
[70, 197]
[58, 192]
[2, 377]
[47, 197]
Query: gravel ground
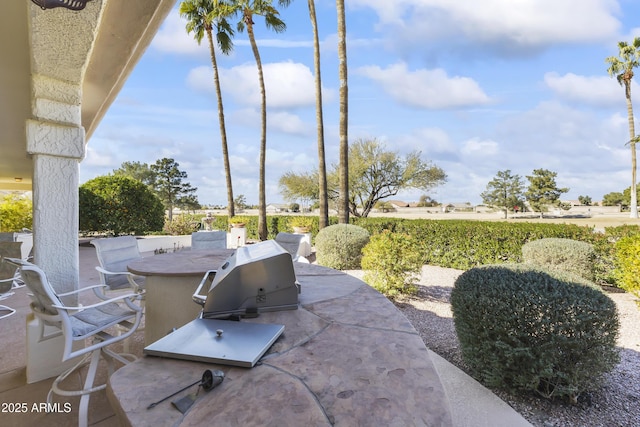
[615, 404]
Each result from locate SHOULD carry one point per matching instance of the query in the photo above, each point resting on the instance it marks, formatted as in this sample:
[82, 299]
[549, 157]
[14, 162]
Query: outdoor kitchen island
[347, 357]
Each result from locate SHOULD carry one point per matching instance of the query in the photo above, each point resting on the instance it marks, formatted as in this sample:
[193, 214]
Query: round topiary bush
[524, 328]
[567, 255]
[340, 246]
[118, 205]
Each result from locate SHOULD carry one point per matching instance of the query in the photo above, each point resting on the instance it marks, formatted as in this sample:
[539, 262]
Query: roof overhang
[123, 31]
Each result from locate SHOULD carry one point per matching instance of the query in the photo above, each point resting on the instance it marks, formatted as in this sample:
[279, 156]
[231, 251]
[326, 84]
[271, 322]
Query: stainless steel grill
[256, 278]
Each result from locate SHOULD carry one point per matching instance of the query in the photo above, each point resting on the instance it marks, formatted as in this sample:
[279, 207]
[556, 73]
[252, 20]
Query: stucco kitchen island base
[347, 357]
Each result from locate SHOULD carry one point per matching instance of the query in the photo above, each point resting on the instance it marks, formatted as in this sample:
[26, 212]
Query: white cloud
[173, 38]
[430, 89]
[287, 84]
[478, 147]
[599, 91]
[289, 123]
[504, 26]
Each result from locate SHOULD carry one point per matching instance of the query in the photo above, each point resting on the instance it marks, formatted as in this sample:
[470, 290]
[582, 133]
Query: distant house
[277, 208]
[398, 203]
[458, 207]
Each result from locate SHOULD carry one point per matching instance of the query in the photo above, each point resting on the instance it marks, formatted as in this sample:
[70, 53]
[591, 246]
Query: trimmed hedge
[522, 328]
[567, 255]
[392, 263]
[465, 244]
[340, 246]
[627, 263]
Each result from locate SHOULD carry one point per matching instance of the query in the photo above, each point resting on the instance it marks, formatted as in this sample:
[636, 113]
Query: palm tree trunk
[343, 208]
[322, 167]
[262, 204]
[223, 130]
[632, 143]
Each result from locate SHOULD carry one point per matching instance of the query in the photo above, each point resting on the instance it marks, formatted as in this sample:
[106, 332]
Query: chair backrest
[114, 253]
[290, 242]
[7, 237]
[209, 240]
[8, 270]
[43, 297]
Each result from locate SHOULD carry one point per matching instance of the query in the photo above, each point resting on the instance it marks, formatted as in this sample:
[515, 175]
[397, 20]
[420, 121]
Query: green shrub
[567, 255]
[181, 225]
[16, 213]
[627, 263]
[392, 263]
[521, 328]
[117, 205]
[340, 246]
[605, 246]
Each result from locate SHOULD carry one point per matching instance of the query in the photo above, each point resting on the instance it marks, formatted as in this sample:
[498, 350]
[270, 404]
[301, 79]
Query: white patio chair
[8, 274]
[114, 253]
[80, 323]
[291, 243]
[209, 240]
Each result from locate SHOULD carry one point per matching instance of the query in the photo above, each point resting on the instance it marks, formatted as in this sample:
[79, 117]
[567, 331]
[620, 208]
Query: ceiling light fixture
[18, 179]
[67, 4]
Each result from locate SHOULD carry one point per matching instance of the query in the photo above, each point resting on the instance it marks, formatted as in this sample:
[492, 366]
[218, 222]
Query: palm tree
[343, 208]
[247, 9]
[621, 67]
[201, 16]
[322, 167]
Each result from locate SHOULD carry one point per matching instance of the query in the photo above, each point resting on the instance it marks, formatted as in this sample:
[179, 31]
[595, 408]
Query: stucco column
[56, 142]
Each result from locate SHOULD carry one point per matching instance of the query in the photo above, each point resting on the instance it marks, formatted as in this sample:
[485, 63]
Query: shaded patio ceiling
[125, 31]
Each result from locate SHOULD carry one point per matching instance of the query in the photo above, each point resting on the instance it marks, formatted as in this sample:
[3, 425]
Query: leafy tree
[202, 16]
[585, 200]
[344, 196]
[16, 213]
[323, 198]
[120, 205]
[189, 203]
[621, 67]
[613, 199]
[543, 190]
[375, 174]
[169, 185]
[246, 9]
[626, 196]
[299, 186]
[240, 202]
[504, 191]
[137, 170]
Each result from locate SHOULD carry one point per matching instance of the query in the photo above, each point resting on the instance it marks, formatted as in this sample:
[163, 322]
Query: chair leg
[93, 359]
[83, 415]
[9, 311]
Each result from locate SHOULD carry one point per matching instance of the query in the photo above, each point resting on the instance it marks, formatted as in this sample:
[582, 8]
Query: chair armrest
[78, 291]
[103, 271]
[136, 286]
[123, 298]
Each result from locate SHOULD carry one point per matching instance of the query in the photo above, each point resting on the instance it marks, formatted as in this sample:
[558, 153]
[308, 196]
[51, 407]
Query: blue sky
[476, 86]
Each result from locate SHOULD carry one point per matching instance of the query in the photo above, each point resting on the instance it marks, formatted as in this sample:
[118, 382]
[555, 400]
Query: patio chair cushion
[96, 319]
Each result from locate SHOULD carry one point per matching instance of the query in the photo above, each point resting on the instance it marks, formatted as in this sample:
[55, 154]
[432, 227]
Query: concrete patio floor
[471, 404]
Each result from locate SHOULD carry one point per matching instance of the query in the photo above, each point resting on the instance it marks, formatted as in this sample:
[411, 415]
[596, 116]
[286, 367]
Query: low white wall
[151, 243]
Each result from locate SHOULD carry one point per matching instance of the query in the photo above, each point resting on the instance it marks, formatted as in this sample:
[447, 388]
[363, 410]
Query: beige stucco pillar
[61, 45]
[55, 140]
